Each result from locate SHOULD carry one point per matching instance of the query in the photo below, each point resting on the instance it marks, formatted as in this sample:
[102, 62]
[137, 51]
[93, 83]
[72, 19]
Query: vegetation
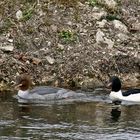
[53, 27]
[93, 2]
[111, 17]
[27, 14]
[5, 26]
[67, 36]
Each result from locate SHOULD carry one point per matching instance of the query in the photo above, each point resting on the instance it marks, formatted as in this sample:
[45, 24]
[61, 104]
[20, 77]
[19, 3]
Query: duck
[116, 94]
[23, 84]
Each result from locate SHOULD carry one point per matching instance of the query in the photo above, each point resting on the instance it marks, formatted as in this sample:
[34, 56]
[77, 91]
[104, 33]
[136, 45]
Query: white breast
[115, 96]
[23, 94]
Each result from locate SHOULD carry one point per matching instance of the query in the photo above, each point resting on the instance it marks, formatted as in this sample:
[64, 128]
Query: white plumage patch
[117, 96]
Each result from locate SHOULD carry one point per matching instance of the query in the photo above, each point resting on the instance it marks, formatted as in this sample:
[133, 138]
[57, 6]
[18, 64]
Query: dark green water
[97, 119]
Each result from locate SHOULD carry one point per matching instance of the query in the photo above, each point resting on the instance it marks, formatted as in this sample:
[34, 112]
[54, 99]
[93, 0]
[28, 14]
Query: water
[95, 119]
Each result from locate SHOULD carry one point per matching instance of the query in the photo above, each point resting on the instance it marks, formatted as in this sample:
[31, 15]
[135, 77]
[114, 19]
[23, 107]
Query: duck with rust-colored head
[23, 83]
[132, 95]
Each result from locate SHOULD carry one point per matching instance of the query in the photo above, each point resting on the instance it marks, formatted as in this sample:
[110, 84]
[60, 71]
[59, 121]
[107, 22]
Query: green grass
[27, 14]
[67, 35]
[93, 2]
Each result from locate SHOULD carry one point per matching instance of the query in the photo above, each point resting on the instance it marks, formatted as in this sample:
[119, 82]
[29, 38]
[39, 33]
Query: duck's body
[44, 92]
[116, 94]
[48, 93]
[120, 96]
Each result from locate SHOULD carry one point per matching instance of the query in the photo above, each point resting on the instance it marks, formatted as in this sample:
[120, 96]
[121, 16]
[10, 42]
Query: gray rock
[102, 23]
[98, 15]
[122, 36]
[50, 60]
[10, 40]
[111, 4]
[7, 48]
[99, 36]
[136, 26]
[54, 28]
[120, 26]
[60, 46]
[109, 42]
[19, 14]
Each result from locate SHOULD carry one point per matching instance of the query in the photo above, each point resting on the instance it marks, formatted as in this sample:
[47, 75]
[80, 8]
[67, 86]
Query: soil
[73, 43]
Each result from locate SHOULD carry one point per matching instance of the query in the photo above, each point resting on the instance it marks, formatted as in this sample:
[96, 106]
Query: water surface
[94, 119]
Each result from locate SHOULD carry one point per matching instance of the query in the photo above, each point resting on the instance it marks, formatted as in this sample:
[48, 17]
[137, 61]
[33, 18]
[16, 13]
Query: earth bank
[73, 44]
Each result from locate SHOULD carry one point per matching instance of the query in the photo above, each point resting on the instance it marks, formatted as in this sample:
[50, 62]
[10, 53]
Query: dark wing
[131, 91]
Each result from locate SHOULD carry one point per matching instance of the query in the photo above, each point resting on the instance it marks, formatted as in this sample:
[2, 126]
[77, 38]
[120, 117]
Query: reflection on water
[97, 119]
[115, 113]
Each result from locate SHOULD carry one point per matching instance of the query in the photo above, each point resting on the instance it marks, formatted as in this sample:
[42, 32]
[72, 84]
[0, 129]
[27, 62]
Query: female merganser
[116, 95]
[23, 83]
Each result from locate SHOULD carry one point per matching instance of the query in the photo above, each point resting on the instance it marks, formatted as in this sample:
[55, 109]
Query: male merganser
[23, 83]
[132, 95]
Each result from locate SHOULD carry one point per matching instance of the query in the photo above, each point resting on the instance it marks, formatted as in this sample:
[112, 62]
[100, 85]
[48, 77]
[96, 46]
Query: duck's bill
[18, 86]
[109, 85]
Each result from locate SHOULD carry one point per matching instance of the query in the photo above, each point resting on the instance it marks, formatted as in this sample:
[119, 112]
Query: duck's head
[23, 82]
[115, 83]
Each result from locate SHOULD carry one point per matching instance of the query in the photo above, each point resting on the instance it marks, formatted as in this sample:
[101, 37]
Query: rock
[60, 46]
[102, 23]
[8, 48]
[120, 26]
[41, 13]
[10, 40]
[50, 60]
[98, 15]
[49, 43]
[111, 4]
[1, 61]
[80, 4]
[109, 42]
[69, 23]
[36, 61]
[136, 26]
[19, 15]
[54, 28]
[99, 36]
[122, 36]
